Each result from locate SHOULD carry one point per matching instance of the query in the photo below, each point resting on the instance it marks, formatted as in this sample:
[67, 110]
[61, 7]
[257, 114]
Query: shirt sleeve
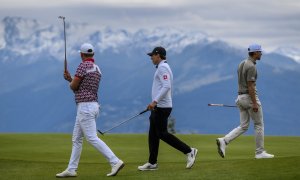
[165, 79]
[251, 74]
[81, 71]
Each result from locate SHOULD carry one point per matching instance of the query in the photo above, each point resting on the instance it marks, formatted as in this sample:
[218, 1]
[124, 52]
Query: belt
[240, 93]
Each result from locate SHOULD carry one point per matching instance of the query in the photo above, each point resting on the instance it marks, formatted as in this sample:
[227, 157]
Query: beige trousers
[244, 103]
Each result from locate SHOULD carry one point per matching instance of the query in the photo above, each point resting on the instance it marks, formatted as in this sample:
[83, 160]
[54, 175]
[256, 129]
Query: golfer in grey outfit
[249, 105]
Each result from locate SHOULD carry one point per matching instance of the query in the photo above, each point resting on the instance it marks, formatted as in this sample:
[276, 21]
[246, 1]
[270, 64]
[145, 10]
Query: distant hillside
[34, 97]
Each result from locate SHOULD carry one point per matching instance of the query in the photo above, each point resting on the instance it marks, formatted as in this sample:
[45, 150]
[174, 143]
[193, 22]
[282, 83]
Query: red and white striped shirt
[90, 76]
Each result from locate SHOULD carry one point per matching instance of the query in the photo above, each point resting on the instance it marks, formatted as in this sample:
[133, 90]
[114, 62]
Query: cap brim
[150, 54]
[86, 52]
[256, 51]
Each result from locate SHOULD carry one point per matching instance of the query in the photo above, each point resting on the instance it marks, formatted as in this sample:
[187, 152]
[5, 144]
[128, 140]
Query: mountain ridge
[35, 97]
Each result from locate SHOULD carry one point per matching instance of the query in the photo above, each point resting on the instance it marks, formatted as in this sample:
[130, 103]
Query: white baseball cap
[86, 48]
[254, 48]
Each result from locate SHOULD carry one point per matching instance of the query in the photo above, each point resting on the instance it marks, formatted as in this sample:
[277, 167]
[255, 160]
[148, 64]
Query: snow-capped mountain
[291, 52]
[35, 98]
[24, 36]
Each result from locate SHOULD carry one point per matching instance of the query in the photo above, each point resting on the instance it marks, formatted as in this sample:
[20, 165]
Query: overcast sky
[272, 23]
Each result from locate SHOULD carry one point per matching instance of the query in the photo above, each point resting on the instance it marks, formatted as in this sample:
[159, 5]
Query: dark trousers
[158, 130]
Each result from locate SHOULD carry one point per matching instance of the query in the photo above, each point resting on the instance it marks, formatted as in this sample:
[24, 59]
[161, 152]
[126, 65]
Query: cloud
[99, 3]
[195, 83]
[272, 23]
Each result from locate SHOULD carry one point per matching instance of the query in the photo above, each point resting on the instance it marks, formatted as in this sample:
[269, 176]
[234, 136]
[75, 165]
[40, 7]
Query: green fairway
[41, 156]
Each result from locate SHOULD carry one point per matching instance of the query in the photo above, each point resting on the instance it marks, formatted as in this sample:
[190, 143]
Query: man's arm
[251, 89]
[74, 85]
[165, 79]
[74, 82]
[152, 105]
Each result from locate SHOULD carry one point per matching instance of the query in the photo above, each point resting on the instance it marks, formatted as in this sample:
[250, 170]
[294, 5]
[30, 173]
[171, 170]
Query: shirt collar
[89, 60]
[251, 59]
[163, 61]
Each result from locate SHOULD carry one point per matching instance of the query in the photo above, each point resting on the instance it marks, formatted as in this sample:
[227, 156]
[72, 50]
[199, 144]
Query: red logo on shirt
[165, 77]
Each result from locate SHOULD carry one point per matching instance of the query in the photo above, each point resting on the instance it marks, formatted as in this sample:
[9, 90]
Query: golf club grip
[100, 132]
[215, 104]
[143, 111]
[66, 65]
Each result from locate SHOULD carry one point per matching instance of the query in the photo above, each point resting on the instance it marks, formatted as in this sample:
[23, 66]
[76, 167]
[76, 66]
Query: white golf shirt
[162, 85]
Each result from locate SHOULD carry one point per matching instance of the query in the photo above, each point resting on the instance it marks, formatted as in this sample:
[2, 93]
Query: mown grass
[41, 156]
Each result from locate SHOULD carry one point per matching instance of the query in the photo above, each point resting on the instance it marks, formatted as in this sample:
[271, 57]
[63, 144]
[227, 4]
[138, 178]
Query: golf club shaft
[221, 105]
[123, 122]
[65, 62]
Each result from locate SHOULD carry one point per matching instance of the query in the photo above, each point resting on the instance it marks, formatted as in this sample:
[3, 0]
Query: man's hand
[152, 105]
[255, 107]
[67, 76]
[251, 89]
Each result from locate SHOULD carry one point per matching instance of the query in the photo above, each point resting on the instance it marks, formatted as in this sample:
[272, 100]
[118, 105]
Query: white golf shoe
[148, 167]
[191, 157]
[221, 146]
[264, 155]
[116, 168]
[66, 174]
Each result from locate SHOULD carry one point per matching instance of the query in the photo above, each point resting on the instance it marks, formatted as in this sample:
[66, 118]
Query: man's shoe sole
[219, 148]
[264, 157]
[152, 169]
[66, 176]
[149, 169]
[121, 167]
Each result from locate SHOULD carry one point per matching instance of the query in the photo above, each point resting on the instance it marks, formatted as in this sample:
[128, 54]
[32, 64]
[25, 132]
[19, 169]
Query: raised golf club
[221, 105]
[104, 132]
[65, 62]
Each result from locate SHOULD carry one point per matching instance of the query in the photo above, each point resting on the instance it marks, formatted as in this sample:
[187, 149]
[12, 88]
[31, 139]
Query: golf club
[65, 62]
[221, 105]
[122, 122]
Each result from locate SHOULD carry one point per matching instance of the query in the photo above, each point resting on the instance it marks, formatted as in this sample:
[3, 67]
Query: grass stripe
[41, 156]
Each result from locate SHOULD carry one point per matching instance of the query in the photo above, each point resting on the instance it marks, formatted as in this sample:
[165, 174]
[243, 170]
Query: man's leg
[153, 139]
[241, 129]
[88, 126]
[162, 131]
[257, 117]
[77, 140]
[243, 104]
[236, 132]
[259, 129]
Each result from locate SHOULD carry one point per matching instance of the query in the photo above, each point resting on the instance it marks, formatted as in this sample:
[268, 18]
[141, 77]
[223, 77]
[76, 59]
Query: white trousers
[244, 103]
[85, 126]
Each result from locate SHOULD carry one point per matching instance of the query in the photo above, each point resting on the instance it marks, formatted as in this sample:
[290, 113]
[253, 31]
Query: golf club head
[100, 132]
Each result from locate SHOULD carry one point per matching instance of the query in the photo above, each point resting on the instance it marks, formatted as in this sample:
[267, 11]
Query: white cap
[254, 48]
[86, 48]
